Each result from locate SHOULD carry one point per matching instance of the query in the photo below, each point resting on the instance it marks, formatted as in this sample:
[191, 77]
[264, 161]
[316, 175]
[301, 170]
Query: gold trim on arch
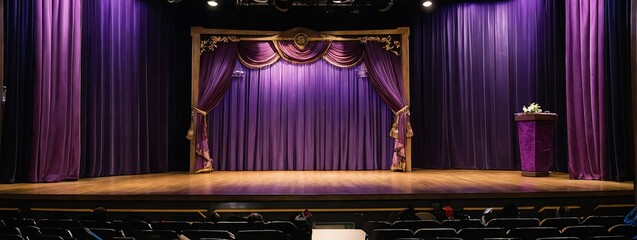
[392, 46]
[210, 43]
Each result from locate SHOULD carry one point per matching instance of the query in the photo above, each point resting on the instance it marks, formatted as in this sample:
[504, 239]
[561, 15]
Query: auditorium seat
[79, 233]
[558, 238]
[10, 231]
[264, 234]
[616, 237]
[59, 223]
[202, 226]
[460, 224]
[286, 227]
[414, 225]
[30, 231]
[62, 232]
[391, 234]
[509, 223]
[154, 234]
[425, 216]
[106, 233]
[197, 234]
[369, 226]
[44, 237]
[433, 233]
[95, 224]
[19, 222]
[560, 223]
[128, 226]
[11, 237]
[623, 230]
[606, 221]
[233, 227]
[177, 226]
[613, 209]
[532, 233]
[481, 233]
[584, 231]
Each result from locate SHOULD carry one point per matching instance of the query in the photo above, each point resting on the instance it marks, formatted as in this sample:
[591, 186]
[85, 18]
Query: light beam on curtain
[56, 111]
[311, 116]
[585, 89]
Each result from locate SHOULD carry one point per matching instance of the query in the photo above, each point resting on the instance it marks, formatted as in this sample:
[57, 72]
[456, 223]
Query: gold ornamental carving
[210, 44]
[392, 46]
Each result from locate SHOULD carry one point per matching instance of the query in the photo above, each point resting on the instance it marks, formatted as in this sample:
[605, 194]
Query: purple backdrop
[300, 117]
[125, 88]
[476, 64]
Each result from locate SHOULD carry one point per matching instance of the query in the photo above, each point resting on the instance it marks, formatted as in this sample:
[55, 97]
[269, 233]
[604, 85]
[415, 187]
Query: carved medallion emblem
[300, 40]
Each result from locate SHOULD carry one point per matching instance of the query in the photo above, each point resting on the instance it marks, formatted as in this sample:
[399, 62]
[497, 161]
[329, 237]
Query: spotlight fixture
[282, 5]
[427, 3]
[383, 5]
[213, 3]
[173, 1]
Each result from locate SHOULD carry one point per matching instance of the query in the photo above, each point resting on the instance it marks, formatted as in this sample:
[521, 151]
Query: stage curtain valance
[258, 54]
[381, 55]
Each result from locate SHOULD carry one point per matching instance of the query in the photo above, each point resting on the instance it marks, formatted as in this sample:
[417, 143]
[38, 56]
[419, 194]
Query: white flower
[533, 108]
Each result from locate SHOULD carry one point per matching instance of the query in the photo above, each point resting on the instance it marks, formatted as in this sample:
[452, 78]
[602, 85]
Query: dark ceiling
[315, 14]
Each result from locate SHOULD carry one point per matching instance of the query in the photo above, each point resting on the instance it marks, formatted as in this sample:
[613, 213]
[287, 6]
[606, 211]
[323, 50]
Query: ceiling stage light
[213, 3]
[427, 3]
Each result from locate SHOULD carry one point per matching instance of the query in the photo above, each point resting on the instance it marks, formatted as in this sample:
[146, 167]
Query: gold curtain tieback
[402, 110]
[202, 112]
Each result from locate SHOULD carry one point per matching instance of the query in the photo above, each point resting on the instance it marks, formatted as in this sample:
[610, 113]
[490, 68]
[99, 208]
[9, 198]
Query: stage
[328, 191]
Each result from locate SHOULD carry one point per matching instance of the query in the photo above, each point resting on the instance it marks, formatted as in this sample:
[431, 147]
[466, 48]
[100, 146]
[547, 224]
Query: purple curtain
[56, 111]
[473, 66]
[311, 116]
[19, 68]
[620, 151]
[215, 78]
[385, 69]
[335, 147]
[125, 95]
[585, 89]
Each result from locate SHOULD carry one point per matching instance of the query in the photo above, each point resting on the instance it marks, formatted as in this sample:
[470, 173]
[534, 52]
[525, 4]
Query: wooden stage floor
[319, 185]
[337, 192]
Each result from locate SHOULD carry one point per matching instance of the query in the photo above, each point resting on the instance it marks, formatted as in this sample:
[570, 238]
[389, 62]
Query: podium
[535, 136]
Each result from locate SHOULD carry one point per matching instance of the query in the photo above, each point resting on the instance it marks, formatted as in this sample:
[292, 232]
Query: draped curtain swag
[381, 55]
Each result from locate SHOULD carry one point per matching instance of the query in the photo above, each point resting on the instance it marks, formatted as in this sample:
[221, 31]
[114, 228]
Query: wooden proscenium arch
[196, 33]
